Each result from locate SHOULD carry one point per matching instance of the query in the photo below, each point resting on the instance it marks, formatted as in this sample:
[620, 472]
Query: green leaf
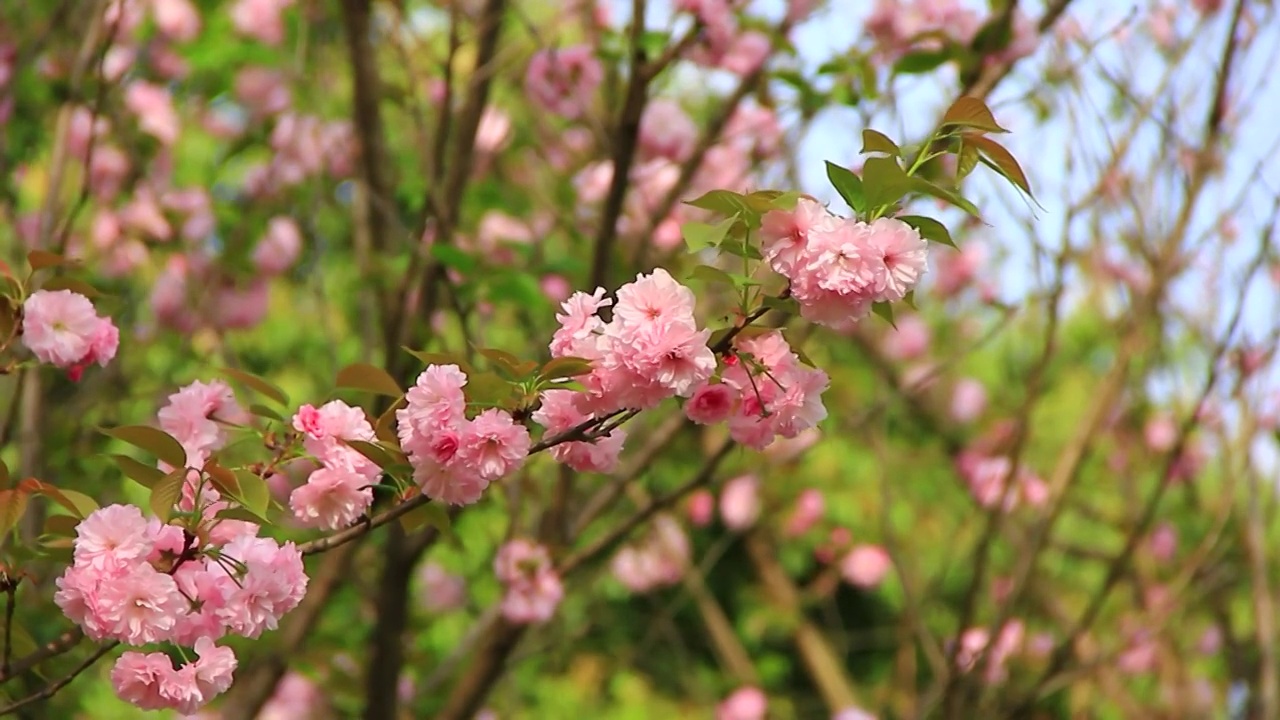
[884, 310]
[966, 160]
[1001, 160]
[565, 367]
[700, 236]
[452, 257]
[653, 42]
[68, 283]
[254, 493]
[742, 249]
[239, 512]
[884, 181]
[157, 442]
[4, 475]
[910, 299]
[711, 275]
[257, 384]
[145, 475]
[766, 200]
[920, 185]
[876, 141]
[366, 377]
[970, 112]
[917, 63]
[929, 229]
[724, 202]
[165, 494]
[848, 185]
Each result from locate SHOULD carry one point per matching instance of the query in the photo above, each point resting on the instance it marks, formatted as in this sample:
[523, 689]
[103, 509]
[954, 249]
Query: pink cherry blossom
[701, 508]
[279, 247]
[559, 413]
[968, 400]
[331, 498]
[865, 566]
[533, 590]
[493, 445]
[909, 340]
[740, 502]
[178, 20]
[260, 19]
[194, 416]
[667, 131]
[658, 561]
[262, 90]
[112, 535]
[711, 403]
[441, 591]
[137, 678]
[153, 105]
[746, 703]
[564, 80]
[61, 328]
[295, 697]
[807, 512]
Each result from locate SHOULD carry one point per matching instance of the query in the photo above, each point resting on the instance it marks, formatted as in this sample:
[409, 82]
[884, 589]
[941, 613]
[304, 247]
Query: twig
[50, 690]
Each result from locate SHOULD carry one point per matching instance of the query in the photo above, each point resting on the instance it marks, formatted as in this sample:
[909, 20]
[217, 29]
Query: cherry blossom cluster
[62, 328]
[454, 457]
[143, 582]
[338, 493]
[764, 392]
[533, 590]
[659, 561]
[651, 349]
[838, 267]
[902, 26]
[564, 80]
[987, 477]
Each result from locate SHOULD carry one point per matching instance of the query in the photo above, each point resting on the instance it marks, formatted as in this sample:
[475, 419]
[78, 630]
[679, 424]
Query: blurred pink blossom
[740, 502]
[865, 566]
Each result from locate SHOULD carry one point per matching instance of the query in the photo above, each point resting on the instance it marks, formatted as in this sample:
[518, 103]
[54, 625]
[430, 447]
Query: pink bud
[176, 19]
[1164, 542]
[701, 508]
[493, 132]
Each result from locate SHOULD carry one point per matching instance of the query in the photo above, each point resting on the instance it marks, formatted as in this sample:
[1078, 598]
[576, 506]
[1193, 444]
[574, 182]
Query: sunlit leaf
[165, 494]
[920, 185]
[929, 229]
[848, 185]
[4, 475]
[369, 378]
[157, 442]
[884, 310]
[699, 236]
[565, 367]
[254, 493]
[711, 275]
[884, 182]
[263, 411]
[966, 160]
[876, 141]
[1003, 161]
[13, 505]
[970, 112]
